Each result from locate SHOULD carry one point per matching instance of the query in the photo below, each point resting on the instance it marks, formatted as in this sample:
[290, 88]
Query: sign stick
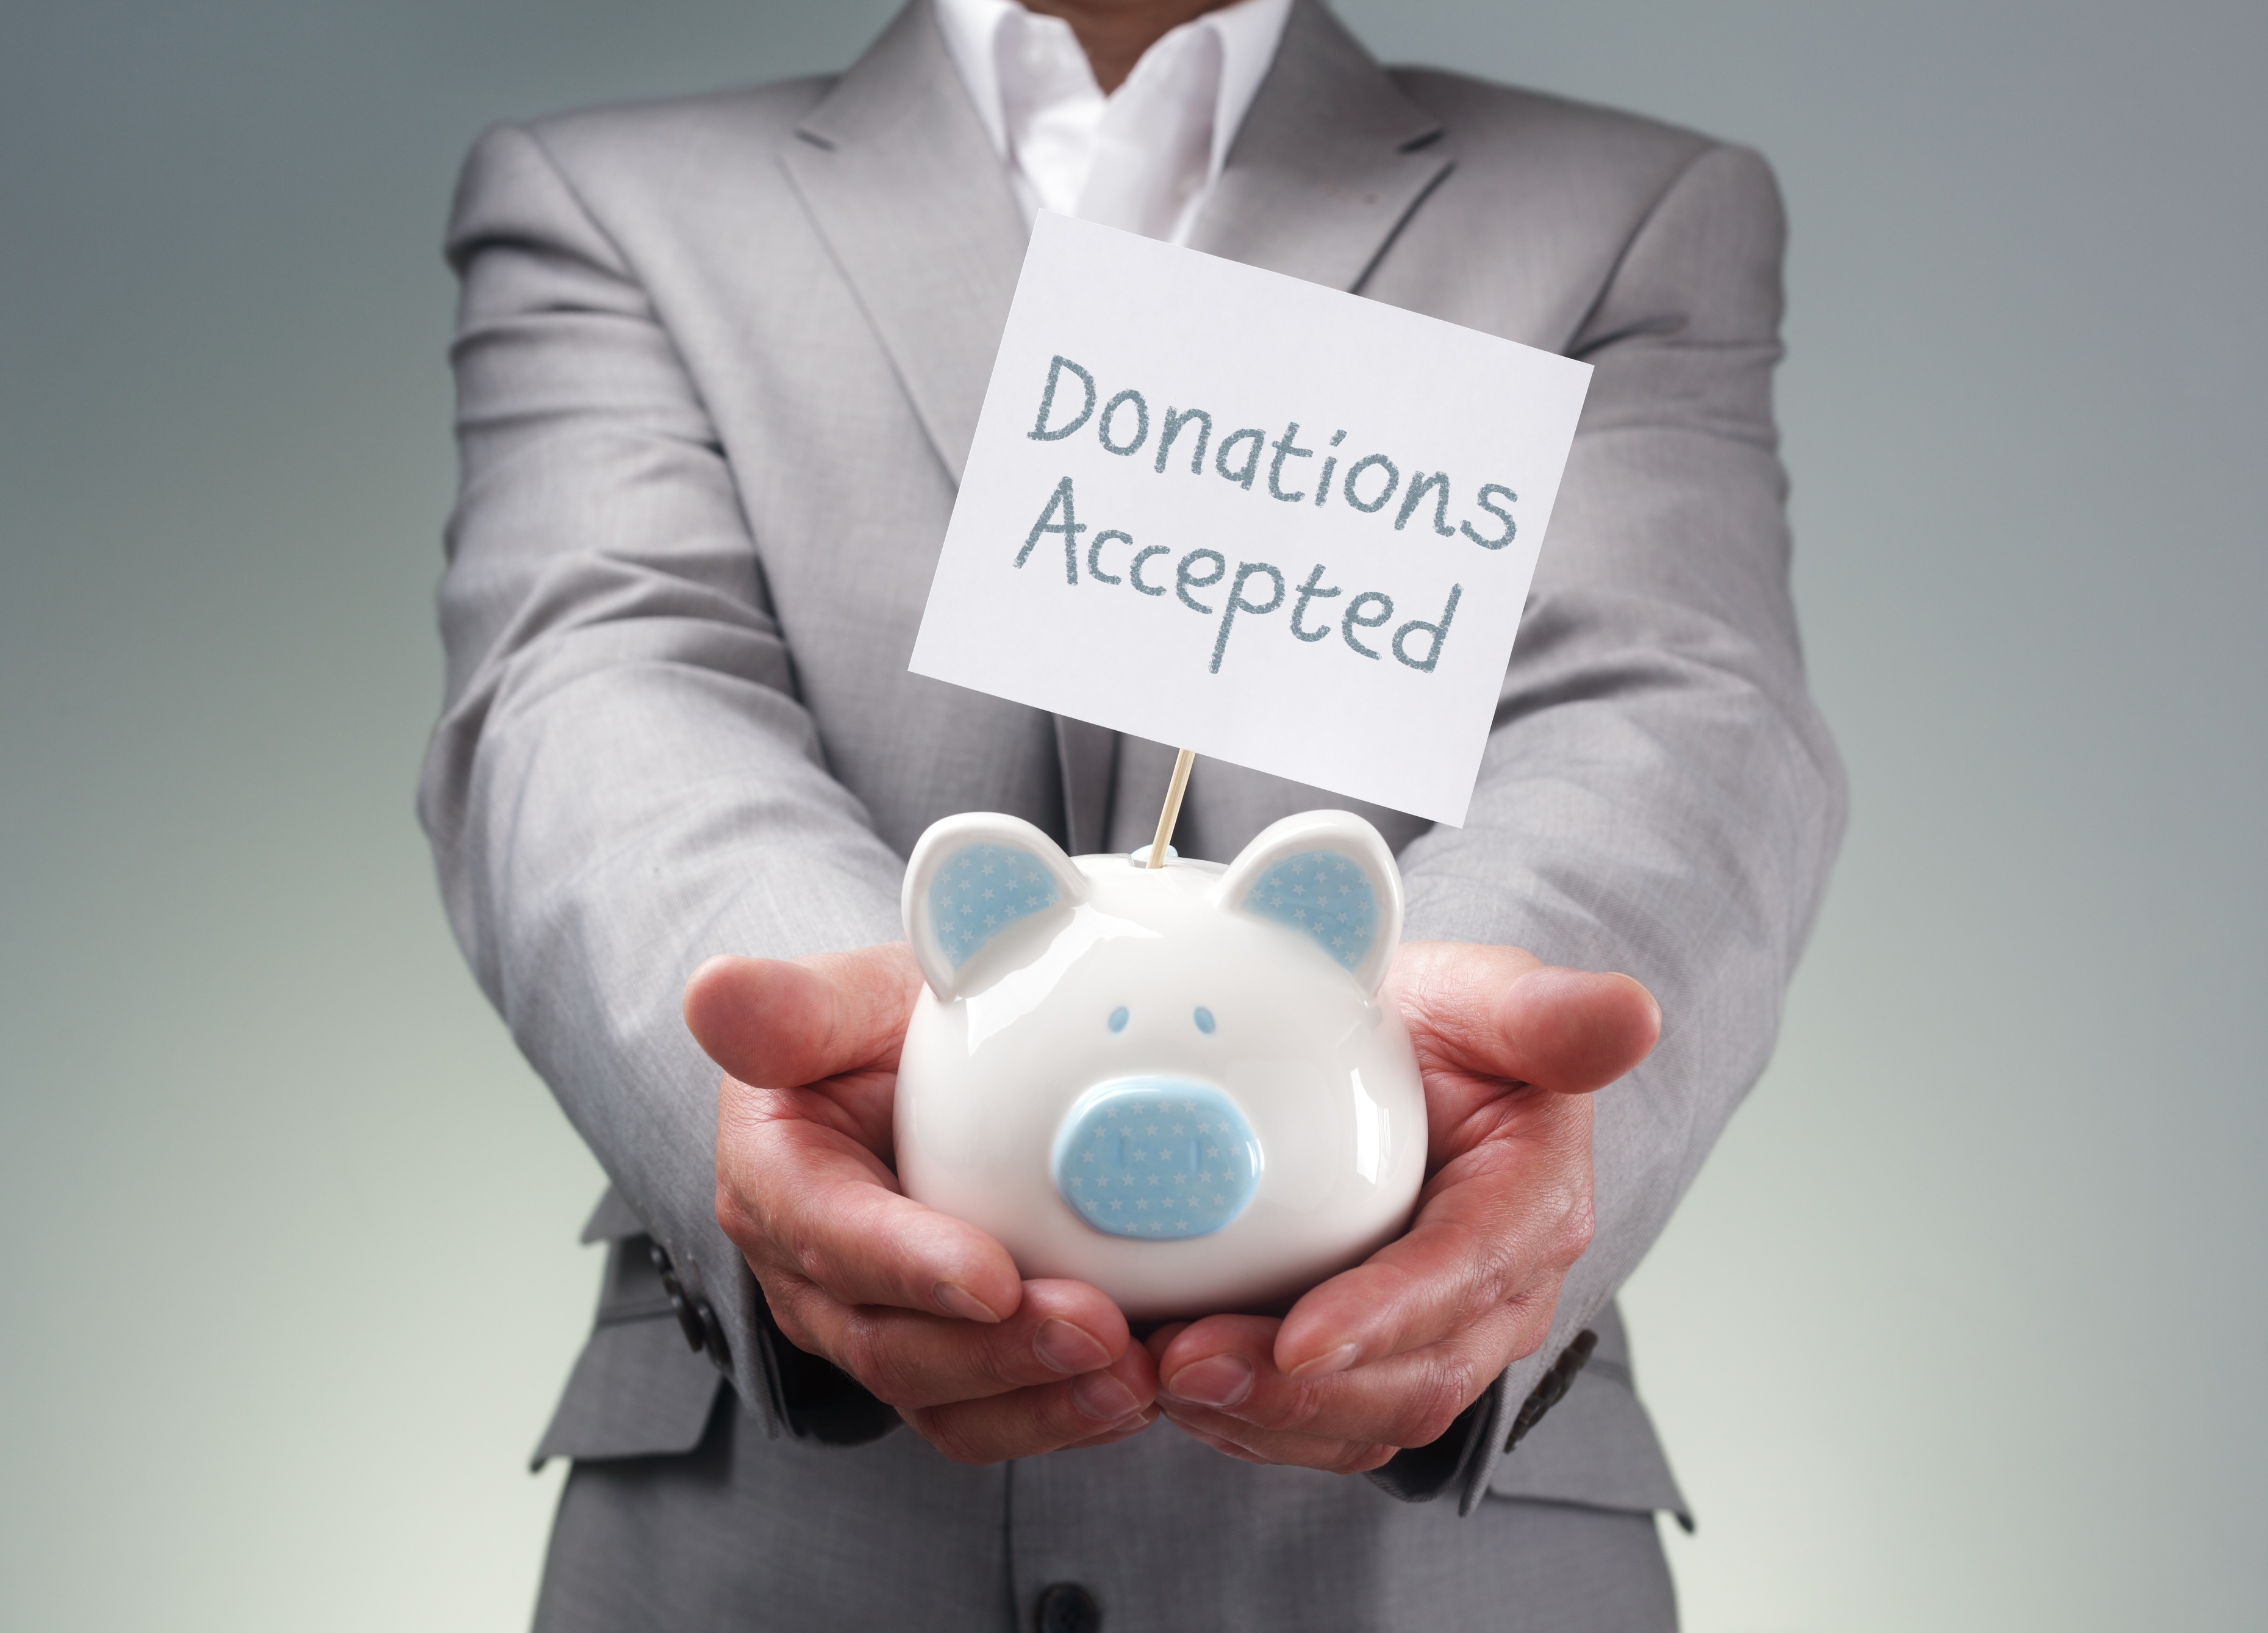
[1172, 813]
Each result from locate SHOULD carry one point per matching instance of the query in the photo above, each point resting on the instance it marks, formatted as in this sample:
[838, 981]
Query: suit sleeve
[1658, 796]
[622, 779]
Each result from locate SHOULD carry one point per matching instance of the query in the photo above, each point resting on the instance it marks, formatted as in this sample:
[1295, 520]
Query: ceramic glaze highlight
[1190, 991]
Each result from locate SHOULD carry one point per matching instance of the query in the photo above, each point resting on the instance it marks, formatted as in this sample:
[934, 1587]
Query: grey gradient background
[1961, 1329]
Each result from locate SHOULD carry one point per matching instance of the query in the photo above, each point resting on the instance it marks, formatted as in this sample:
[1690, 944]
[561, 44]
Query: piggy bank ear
[1330, 876]
[971, 880]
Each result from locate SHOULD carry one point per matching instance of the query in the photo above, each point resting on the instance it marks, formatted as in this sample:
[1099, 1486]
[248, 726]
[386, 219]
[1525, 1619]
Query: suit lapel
[902, 181]
[1330, 161]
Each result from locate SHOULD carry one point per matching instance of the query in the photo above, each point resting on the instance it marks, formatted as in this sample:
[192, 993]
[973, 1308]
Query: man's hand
[1385, 1355]
[925, 1312]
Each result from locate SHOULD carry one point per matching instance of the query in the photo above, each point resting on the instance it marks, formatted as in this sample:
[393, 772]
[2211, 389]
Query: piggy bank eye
[1204, 1019]
[1118, 1019]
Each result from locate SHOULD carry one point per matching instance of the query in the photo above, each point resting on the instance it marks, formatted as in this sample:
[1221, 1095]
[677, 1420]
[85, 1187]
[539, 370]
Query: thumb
[776, 1024]
[1575, 1031]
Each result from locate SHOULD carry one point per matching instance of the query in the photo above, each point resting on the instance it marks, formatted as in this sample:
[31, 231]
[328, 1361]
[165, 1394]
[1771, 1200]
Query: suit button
[1067, 1607]
[689, 1319]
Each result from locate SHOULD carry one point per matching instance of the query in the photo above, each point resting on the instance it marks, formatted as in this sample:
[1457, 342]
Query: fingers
[1219, 1379]
[1502, 1221]
[926, 1311]
[809, 1201]
[1575, 1031]
[1495, 1012]
[777, 1026]
[1271, 1450]
[1386, 1355]
[1132, 1427]
[1064, 1373]
[1094, 1410]
[913, 1361]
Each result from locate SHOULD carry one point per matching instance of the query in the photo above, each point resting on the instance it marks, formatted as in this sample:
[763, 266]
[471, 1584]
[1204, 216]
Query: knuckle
[1436, 1405]
[1501, 1267]
[733, 1218]
[804, 1248]
[955, 1447]
[788, 1301]
[864, 1352]
[1576, 1228]
[1430, 1425]
[789, 1321]
[1360, 1458]
[1005, 1357]
[1288, 1411]
[1531, 1322]
[841, 1270]
[954, 1441]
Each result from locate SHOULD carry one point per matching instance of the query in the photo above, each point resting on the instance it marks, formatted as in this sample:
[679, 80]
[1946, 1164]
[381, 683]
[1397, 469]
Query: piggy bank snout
[1160, 1158]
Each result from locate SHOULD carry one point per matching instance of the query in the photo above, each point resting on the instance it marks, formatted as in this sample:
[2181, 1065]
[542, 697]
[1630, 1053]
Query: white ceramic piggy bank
[1175, 1083]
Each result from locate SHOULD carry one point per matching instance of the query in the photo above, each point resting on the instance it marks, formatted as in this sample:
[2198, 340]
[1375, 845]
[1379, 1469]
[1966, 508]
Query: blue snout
[1161, 1158]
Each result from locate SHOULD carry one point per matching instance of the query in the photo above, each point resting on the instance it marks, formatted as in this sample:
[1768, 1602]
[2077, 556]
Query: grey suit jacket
[719, 361]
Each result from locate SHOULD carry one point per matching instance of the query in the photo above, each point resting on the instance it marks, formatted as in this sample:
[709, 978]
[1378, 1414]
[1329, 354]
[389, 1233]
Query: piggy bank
[1175, 1083]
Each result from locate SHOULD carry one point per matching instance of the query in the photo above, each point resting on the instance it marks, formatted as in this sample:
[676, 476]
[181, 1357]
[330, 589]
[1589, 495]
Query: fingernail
[1102, 1397]
[1325, 1363]
[1215, 1381]
[956, 1300]
[1069, 1348]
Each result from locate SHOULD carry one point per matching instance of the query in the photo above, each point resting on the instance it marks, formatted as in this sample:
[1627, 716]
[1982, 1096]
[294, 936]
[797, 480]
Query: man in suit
[719, 361]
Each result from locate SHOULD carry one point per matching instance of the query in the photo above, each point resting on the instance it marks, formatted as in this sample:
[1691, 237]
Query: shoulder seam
[621, 262]
[1709, 147]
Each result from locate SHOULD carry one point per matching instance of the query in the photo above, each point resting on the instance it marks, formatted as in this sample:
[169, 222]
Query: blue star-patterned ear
[973, 880]
[1326, 896]
[981, 890]
[1329, 876]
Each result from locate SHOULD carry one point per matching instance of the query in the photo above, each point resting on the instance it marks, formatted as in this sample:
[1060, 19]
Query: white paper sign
[1232, 511]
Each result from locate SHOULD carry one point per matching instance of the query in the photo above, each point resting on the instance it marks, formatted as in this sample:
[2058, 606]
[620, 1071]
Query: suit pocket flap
[636, 1391]
[612, 1220]
[1596, 1448]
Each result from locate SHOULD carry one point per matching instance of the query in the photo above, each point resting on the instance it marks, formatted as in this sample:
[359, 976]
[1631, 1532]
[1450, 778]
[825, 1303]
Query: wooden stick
[1172, 813]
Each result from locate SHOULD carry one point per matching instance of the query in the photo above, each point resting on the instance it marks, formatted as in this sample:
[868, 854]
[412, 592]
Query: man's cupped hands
[931, 1316]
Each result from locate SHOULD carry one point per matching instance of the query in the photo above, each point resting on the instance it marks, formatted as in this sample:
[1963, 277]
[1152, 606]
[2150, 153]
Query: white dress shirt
[1144, 156]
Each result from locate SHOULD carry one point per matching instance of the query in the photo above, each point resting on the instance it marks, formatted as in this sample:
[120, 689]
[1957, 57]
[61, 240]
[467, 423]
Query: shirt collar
[1248, 32]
